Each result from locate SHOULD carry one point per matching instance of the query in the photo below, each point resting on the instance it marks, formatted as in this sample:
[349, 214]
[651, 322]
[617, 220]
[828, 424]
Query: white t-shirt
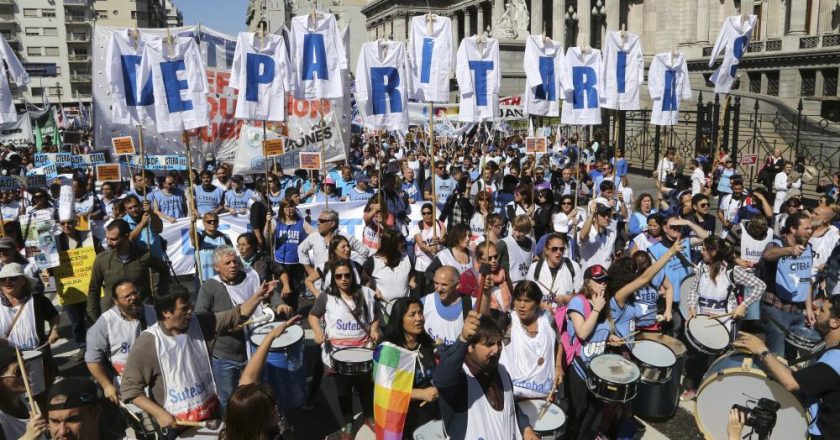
[597, 248]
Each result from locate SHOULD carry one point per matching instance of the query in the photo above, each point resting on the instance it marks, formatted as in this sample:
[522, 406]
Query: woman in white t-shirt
[390, 272]
[428, 241]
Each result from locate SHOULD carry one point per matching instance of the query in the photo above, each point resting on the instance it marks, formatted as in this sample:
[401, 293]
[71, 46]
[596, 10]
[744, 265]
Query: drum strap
[15, 319]
[363, 326]
[813, 355]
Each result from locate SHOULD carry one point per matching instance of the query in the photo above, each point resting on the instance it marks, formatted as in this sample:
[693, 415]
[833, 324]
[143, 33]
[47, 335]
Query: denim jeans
[226, 373]
[775, 339]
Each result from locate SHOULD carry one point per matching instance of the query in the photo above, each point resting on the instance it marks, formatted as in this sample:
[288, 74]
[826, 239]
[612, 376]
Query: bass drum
[739, 378]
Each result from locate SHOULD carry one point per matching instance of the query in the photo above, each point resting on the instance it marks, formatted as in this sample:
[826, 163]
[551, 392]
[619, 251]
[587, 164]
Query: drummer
[350, 320]
[533, 355]
[168, 365]
[646, 298]
[714, 292]
[16, 421]
[557, 276]
[445, 309]
[820, 382]
[406, 330]
[232, 285]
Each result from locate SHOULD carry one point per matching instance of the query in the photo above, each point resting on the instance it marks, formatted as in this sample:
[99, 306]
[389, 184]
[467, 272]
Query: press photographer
[820, 382]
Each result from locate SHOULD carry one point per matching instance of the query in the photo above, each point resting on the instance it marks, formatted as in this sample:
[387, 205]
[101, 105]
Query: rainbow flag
[393, 378]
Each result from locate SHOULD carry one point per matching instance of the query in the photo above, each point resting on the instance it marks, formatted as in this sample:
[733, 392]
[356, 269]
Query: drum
[143, 425]
[612, 378]
[284, 370]
[685, 286]
[737, 378]
[352, 361]
[432, 430]
[365, 433]
[552, 424]
[660, 400]
[708, 336]
[34, 360]
[654, 359]
[804, 340]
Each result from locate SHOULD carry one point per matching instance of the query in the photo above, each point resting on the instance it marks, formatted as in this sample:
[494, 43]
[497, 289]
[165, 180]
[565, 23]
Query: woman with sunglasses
[288, 231]
[390, 272]
[350, 320]
[543, 213]
[428, 241]
[16, 421]
[522, 203]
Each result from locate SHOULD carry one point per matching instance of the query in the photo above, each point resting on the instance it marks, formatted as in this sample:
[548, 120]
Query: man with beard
[729, 206]
[476, 394]
[110, 338]
[145, 225]
[787, 272]
[819, 382]
[75, 412]
[122, 260]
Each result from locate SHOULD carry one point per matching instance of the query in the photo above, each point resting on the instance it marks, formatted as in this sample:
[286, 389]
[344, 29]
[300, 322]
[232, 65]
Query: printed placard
[530, 144]
[81, 161]
[48, 170]
[541, 145]
[749, 159]
[123, 145]
[274, 147]
[36, 181]
[108, 172]
[161, 162]
[8, 183]
[310, 161]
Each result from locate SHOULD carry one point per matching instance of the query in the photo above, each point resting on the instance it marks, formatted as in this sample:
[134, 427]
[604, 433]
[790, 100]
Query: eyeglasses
[210, 222]
[342, 276]
[674, 227]
[427, 212]
[556, 249]
[566, 203]
[132, 294]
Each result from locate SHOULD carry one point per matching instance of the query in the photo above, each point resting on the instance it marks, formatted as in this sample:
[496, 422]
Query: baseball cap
[596, 272]
[603, 210]
[238, 178]
[7, 243]
[72, 392]
[362, 177]
[11, 270]
[329, 181]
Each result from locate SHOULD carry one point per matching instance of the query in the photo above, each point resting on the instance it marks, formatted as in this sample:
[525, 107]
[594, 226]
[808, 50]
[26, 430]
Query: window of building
[829, 82]
[101, 13]
[808, 82]
[51, 51]
[47, 12]
[756, 34]
[32, 31]
[55, 91]
[50, 32]
[36, 91]
[755, 82]
[773, 83]
[30, 12]
[138, 15]
[33, 51]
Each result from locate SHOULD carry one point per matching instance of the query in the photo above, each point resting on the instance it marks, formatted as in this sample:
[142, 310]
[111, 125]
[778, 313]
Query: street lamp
[599, 14]
[571, 25]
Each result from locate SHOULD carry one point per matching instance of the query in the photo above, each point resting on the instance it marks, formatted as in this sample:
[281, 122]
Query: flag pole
[145, 200]
[192, 208]
[323, 151]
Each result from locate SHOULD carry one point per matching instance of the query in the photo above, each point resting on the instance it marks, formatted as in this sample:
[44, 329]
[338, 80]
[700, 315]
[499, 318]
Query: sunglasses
[342, 276]
[556, 249]
[703, 205]
[566, 203]
[211, 222]
[675, 227]
[427, 213]
[322, 220]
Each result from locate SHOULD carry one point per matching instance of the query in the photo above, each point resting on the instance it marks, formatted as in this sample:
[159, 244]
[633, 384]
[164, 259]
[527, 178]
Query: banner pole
[191, 208]
[434, 187]
[323, 151]
[270, 238]
[145, 199]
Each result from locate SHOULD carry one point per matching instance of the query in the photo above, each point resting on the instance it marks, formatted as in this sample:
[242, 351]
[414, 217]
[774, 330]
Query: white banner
[18, 133]
[181, 252]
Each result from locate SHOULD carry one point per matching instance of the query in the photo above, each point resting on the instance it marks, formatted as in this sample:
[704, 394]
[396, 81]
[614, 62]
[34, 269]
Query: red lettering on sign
[227, 111]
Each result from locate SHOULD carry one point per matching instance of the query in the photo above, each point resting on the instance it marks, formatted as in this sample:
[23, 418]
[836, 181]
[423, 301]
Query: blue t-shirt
[411, 190]
[674, 269]
[638, 223]
[146, 235]
[206, 201]
[596, 343]
[624, 318]
[238, 201]
[287, 238]
[793, 275]
[170, 204]
[620, 166]
[725, 181]
[354, 194]
[645, 301]
[205, 253]
[832, 359]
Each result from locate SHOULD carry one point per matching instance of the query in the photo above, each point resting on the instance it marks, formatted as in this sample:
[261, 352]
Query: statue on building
[521, 18]
[504, 26]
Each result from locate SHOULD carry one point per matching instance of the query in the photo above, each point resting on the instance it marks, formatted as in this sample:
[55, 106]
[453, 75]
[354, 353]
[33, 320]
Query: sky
[226, 16]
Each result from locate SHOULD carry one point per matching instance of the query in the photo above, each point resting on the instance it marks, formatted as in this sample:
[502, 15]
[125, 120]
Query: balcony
[80, 77]
[77, 58]
[11, 38]
[78, 38]
[73, 2]
[7, 17]
[74, 18]
[7, 2]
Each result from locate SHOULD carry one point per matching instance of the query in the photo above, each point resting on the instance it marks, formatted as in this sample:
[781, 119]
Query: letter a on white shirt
[318, 56]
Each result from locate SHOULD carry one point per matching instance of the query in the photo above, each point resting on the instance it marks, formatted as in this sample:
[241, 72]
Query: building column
[467, 23]
[649, 8]
[536, 17]
[775, 21]
[558, 29]
[479, 19]
[399, 28]
[797, 17]
[584, 12]
[702, 21]
[613, 15]
[455, 37]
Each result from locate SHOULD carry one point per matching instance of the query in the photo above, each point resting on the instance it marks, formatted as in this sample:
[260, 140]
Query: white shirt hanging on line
[544, 64]
[262, 75]
[624, 71]
[19, 74]
[479, 77]
[318, 56]
[583, 87]
[381, 85]
[132, 101]
[432, 58]
[668, 84]
[179, 83]
[733, 40]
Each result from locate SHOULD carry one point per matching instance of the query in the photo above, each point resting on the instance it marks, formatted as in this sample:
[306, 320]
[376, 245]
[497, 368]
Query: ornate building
[794, 51]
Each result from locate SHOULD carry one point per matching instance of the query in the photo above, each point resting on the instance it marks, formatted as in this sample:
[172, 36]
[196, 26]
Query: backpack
[567, 262]
[570, 348]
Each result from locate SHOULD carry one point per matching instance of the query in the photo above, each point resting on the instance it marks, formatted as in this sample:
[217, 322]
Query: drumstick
[25, 376]
[624, 339]
[546, 405]
[722, 315]
[126, 408]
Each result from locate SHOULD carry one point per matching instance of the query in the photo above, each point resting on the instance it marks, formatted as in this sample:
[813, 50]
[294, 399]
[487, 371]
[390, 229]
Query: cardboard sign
[123, 145]
[73, 274]
[274, 147]
[749, 159]
[48, 169]
[8, 183]
[161, 162]
[108, 172]
[36, 181]
[310, 161]
[541, 145]
[530, 144]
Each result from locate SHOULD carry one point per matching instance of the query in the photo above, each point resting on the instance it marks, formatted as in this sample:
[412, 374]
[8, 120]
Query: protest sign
[274, 147]
[310, 161]
[123, 145]
[108, 172]
[73, 274]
